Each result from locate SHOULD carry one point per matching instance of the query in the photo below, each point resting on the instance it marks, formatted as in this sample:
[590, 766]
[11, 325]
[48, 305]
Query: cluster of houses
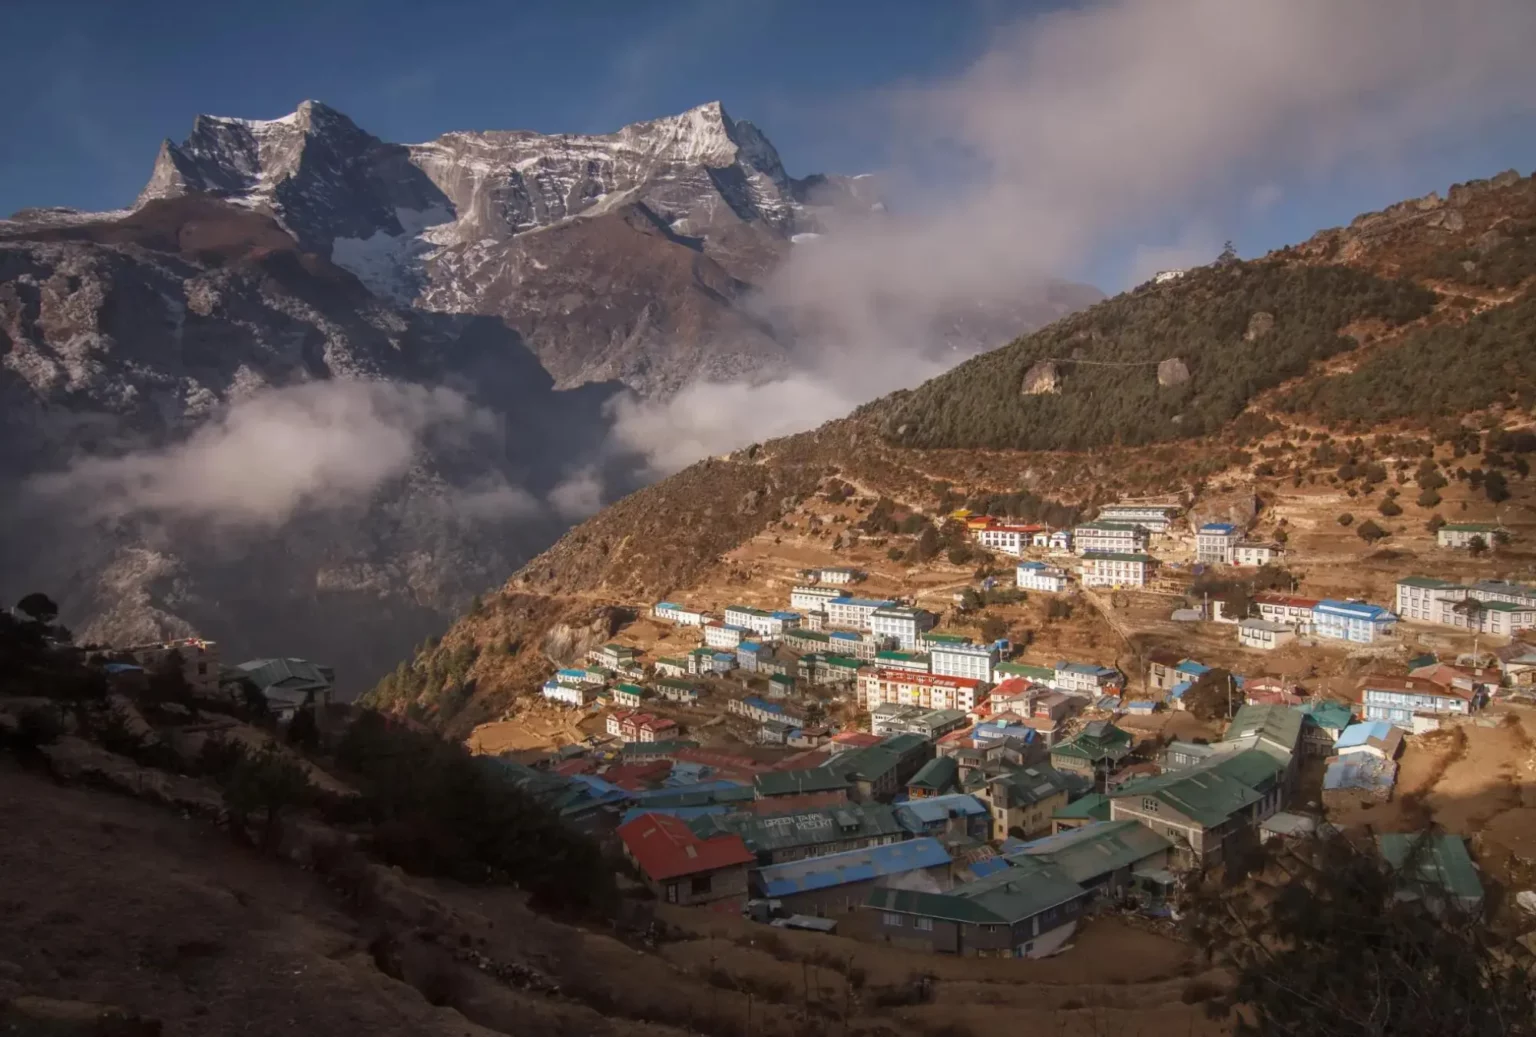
[286, 684]
[973, 832]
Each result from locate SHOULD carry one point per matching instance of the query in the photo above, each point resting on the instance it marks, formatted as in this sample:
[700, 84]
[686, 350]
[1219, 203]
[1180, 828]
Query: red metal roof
[857, 739]
[1284, 599]
[928, 680]
[637, 776]
[666, 848]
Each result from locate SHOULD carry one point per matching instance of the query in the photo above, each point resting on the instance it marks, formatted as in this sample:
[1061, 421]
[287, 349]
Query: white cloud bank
[1080, 127]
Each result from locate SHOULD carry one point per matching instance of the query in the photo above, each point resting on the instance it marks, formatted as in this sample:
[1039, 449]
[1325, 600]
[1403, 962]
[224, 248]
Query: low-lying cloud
[1083, 129]
[319, 445]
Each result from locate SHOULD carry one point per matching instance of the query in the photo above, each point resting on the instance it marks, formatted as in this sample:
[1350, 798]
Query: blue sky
[100, 83]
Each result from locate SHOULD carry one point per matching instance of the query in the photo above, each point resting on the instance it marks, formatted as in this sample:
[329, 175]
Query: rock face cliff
[619, 256]
[210, 429]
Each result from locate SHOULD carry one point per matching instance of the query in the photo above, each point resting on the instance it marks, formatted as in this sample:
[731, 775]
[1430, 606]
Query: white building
[1216, 543]
[1154, 518]
[1111, 537]
[1254, 554]
[1084, 678]
[1060, 541]
[570, 694]
[1282, 608]
[1461, 534]
[917, 689]
[1114, 569]
[1008, 540]
[853, 613]
[1263, 634]
[1037, 576]
[199, 660]
[720, 635]
[812, 599]
[760, 621]
[974, 662]
[835, 575]
[682, 615]
[901, 624]
[1419, 598]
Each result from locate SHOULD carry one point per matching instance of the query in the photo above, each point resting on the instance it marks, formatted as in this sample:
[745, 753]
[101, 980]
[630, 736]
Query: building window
[925, 924]
[1149, 805]
[699, 884]
[891, 920]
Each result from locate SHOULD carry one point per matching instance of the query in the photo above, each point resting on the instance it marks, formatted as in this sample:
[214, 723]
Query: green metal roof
[1112, 526]
[1027, 671]
[1471, 527]
[1277, 723]
[1005, 897]
[1030, 785]
[1427, 581]
[633, 689]
[937, 774]
[904, 743]
[1201, 794]
[790, 783]
[670, 745]
[869, 764]
[1095, 742]
[748, 610]
[1253, 767]
[675, 682]
[1441, 862]
[1092, 807]
[1115, 556]
[947, 639]
[1086, 853]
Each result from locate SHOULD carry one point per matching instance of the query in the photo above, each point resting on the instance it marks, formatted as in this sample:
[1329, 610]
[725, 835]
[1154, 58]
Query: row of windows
[896, 921]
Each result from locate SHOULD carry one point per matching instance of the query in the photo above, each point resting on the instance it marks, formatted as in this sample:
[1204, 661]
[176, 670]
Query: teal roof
[1253, 767]
[904, 743]
[790, 783]
[1097, 741]
[1092, 807]
[1087, 853]
[1201, 794]
[937, 774]
[1005, 897]
[1331, 716]
[804, 828]
[1441, 864]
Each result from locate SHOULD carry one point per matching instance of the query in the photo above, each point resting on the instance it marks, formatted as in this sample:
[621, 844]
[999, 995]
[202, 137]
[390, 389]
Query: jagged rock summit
[619, 255]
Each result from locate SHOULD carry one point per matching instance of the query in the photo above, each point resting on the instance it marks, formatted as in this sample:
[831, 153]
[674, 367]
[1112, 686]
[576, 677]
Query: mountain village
[845, 759]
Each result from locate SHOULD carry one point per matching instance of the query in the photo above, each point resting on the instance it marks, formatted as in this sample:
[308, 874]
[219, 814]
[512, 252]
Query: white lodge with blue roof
[1351, 621]
[1216, 543]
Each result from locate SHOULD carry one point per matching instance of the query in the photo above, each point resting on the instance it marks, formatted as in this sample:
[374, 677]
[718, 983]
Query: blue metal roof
[844, 635]
[1141, 706]
[864, 602]
[718, 785]
[122, 668]
[839, 869]
[1218, 527]
[1353, 610]
[754, 701]
[786, 615]
[1179, 689]
[1360, 734]
[727, 656]
[749, 646]
[916, 814]
[572, 672]
[682, 813]
[988, 866]
[1192, 668]
[1088, 668]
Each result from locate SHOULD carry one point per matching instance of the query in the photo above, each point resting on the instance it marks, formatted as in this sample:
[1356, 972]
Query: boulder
[1172, 371]
[1044, 377]
[1259, 325]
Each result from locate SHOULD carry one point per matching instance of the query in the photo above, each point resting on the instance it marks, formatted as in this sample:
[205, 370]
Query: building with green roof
[799, 782]
[934, 778]
[1035, 674]
[807, 833]
[1093, 752]
[1102, 856]
[1081, 811]
[1434, 868]
[1016, 912]
[1321, 724]
[1200, 809]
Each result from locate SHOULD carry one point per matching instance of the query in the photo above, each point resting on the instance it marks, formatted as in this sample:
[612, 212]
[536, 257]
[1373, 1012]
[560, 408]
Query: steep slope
[160, 359]
[1388, 304]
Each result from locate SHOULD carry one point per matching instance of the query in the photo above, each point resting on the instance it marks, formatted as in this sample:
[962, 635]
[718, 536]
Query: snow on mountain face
[486, 222]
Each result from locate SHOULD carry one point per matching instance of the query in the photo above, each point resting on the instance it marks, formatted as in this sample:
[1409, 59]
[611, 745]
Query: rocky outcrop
[1042, 377]
[1259, 325]
[1172, 371]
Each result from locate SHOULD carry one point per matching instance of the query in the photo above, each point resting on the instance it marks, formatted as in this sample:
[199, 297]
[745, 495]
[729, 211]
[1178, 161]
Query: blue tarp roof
[839, 869]
[1359, 734]
[988, 866]
[933, 809]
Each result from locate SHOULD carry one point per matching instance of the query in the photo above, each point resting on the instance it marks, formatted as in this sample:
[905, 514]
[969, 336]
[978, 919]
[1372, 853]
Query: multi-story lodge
[1397, 700]
[1252, 554]
[834, 575]
[1008, 539]
[1115, 569]
[1283, 608]
[1264, 634]
[1084, 678]
[1112, 537]
[1487, 606]
[1461, 534]
[1216, 543]
[853, 613]
[722, 635]
[760, 621]
[682, 615]
[1037, 576]
[974, 662]
[902, 625]
[1154, 518]
[813, 598]
[917, 689]
[1352, 621]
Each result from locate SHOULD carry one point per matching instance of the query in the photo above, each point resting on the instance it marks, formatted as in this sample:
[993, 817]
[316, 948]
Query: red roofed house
[681, 868]
[1282, 608]
[1269, 691]
[637, 776]
[644, 727]
[847, 740]
[616, 721]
